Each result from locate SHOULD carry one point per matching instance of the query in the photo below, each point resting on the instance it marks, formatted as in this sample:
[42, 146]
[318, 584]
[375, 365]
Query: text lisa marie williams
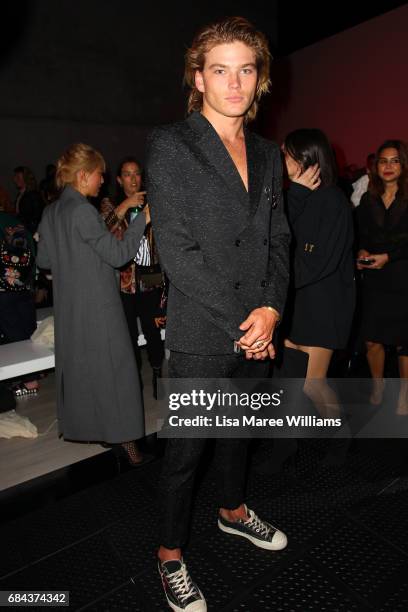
[252, 421]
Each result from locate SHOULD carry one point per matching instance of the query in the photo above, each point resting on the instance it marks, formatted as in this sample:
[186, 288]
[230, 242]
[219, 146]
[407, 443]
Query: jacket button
[265, 241]
[237, 285]
[237, 242]
[263, 283]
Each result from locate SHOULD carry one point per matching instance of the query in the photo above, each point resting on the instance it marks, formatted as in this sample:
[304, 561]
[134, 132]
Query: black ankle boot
[157, 373]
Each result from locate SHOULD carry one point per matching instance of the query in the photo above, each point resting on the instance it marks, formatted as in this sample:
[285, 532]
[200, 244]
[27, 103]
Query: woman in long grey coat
[98, 392]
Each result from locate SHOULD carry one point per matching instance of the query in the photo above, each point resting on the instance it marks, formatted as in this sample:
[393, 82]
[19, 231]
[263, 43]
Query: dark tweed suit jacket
[225, 251]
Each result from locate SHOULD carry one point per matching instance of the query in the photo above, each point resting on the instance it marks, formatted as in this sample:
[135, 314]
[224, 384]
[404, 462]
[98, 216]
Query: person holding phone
[382, 220]
[141, 279]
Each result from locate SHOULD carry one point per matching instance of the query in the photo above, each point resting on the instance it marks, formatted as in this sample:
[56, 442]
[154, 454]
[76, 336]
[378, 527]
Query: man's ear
[199, 81]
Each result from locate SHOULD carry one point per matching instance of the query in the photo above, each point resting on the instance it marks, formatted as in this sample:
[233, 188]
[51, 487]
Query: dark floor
[92, 531]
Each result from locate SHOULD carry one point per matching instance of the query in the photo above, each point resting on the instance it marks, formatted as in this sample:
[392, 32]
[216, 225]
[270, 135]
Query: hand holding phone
[365, 261]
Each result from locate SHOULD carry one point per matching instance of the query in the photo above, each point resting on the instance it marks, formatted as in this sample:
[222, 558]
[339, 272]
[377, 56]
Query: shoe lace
[181, 583]
[256, 524]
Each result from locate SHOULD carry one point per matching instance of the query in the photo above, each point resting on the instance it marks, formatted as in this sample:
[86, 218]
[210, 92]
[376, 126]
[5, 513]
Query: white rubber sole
[192, 607]
[280, 541]
[197, 606]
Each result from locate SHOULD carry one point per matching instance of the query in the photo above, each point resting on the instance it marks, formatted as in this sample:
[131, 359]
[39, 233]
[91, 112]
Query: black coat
[225, 251]
[30, 210]
[323, 267]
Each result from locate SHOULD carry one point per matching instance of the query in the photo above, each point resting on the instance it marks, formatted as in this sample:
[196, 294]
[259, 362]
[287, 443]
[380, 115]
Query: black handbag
[150, 277]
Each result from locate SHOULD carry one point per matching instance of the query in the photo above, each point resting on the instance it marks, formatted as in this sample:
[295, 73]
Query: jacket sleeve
[31, 208]
[180, 254]
[93, 231]
[399, 252]
[43, 259]
[297, 200]
[362, 226]
[279, 237]
[321, 237]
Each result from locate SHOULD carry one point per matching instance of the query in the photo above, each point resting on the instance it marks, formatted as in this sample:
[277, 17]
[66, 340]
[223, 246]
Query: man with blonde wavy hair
[215, 194]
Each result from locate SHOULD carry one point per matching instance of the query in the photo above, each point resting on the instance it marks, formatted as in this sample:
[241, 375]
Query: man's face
[228, 80]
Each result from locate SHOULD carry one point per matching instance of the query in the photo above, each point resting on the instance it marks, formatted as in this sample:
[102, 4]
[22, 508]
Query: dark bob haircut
[311, 146]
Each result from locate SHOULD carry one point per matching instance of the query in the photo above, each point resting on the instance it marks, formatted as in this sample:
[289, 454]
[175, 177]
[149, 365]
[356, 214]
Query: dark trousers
[18, 321]
[182, 456]
[145, 306]
[17, 316]
[7, 399]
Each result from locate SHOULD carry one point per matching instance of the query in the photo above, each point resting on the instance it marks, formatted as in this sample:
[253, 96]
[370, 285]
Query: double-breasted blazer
[97, 382]
[224, 250]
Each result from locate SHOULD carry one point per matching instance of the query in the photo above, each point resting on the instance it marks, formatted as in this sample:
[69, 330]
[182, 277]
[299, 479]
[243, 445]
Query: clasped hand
[259, 327]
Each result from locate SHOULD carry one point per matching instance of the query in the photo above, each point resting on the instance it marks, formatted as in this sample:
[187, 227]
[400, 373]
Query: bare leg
[316, 387]
[31, 384]
[234, 515]
[402, 407]
[323, 396]
[376, 359]
[169, 554]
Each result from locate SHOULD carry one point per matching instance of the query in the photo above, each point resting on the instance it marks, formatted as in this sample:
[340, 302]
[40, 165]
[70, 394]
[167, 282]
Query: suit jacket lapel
[218, 157]
[256, 169]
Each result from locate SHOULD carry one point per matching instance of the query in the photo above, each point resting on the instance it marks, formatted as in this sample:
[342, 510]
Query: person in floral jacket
[141, 280]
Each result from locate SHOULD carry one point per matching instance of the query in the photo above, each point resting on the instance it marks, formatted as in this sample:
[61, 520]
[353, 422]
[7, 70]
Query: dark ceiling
[303, 23]
[100, 61]
[289, 25]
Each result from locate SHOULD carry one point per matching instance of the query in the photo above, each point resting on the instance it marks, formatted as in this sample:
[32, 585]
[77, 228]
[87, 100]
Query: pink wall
[353, 85]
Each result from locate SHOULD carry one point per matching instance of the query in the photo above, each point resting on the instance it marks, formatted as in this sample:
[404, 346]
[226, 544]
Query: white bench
[19, 358]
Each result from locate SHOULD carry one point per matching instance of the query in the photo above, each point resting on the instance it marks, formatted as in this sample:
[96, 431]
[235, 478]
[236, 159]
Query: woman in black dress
[323, 291]
[383, 257]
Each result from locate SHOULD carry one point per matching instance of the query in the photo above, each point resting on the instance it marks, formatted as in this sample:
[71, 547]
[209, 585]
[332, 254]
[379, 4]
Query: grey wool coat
[225, 251]
[97, 382]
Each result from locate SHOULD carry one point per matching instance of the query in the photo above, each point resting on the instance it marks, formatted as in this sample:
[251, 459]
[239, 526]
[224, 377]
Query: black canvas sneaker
[255, 530]
[182, 594]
